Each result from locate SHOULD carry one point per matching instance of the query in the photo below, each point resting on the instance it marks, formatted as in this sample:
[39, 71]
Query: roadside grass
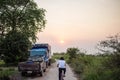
[9, 73]
[52, 60]
[91, 67]
[92, 71]
[5, 73]
[2, 63]
[57, 56]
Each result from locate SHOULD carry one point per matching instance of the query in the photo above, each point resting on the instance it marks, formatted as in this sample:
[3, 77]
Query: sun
[62, 41]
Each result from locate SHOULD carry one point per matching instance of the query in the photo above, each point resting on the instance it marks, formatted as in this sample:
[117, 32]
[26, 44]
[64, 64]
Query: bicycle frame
[62, 75]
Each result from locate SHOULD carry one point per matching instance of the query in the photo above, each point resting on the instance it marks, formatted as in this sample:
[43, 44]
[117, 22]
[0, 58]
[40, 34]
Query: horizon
[79, 23]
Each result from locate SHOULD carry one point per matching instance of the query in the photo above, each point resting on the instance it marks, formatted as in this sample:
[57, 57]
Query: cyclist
[61, 66]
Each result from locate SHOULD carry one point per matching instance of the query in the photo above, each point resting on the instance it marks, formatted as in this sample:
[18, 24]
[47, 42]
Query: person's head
[61, 58]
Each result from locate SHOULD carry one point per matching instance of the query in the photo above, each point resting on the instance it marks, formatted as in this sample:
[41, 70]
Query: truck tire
[41, 73]
[23, 73]
[44, 70]
[49, 63]
[33, 73]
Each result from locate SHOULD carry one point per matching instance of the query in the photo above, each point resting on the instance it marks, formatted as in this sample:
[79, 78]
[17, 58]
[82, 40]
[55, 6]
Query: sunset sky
[79, 23]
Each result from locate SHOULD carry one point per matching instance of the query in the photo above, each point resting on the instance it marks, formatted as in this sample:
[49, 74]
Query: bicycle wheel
[62, 74]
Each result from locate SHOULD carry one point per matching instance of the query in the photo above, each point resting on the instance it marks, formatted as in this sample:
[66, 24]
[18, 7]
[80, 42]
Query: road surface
[52, 74]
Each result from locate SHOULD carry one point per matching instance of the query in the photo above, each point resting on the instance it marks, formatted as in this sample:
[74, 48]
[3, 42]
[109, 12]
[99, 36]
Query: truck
[38, 61]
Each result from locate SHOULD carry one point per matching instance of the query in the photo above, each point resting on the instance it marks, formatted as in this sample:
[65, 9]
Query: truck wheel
[41, 73]
[49, 63]
[44, 70]
[23, 73]
[33, 73]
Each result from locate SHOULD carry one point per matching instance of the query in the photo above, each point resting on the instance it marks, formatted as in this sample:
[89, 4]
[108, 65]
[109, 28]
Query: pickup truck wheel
[33, 73]
[23, 73]
[41, 73]
[49, 63]
[44, 70]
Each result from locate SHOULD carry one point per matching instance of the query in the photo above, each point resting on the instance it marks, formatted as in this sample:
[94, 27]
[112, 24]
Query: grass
[91, 67]
[7, 72]
[2, 62]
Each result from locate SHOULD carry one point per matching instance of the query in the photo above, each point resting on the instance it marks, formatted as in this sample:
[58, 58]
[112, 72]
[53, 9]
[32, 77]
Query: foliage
[5, 73]
[113, 60]
[52, 60]
[2, 62]
[15, 46]
[112, 45]
[21, 15]
[104, 66]
[77, 65]
[58, 55]
[95, 67]
[72, 52]
[20, 20]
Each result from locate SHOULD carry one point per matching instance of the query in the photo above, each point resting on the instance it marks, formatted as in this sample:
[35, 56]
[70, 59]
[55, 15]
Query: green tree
[112, 62]
[20, 20]
[23, 16]
[112, 45]
[15, 47]
[112, 48]
[72, 52]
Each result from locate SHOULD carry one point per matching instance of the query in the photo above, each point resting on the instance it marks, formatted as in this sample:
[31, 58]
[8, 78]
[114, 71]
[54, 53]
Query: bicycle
[61, 75]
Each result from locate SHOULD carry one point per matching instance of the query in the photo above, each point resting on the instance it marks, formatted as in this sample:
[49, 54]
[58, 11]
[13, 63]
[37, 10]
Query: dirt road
[52, 74]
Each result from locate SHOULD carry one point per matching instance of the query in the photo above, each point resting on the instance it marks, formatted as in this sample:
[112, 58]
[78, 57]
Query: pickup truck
[34, 65]
[38, 61]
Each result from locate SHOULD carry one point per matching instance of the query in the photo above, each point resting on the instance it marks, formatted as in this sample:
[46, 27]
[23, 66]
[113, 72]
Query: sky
[79, 23]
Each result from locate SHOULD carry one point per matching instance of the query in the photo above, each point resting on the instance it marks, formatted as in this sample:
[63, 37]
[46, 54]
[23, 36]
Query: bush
[77, 65]
[2, 63]
[15, 47]
[112, 67]
[52, 60]
[6, 73]
[88, 67]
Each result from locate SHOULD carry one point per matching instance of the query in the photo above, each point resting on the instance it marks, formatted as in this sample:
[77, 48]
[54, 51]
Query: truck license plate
[29, 71]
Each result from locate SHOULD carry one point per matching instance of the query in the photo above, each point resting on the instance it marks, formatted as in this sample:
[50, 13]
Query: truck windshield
[38, 52]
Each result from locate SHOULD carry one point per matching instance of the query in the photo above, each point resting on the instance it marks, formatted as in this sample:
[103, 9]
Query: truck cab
[42, 50]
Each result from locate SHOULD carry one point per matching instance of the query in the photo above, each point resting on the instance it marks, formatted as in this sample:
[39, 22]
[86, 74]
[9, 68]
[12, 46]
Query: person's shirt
[61, 64]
